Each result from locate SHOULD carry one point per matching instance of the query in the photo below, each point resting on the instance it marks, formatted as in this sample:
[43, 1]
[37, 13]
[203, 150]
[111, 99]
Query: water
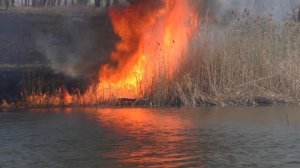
[167, 137]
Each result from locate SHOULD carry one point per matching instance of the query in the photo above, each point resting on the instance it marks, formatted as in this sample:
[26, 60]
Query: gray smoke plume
[77, 45]
[278, 9]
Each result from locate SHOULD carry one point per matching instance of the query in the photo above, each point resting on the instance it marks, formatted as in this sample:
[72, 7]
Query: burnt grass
[25, 66]
[17, 83]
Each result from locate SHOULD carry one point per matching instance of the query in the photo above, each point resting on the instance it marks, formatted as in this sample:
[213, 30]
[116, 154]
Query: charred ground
[59, 47]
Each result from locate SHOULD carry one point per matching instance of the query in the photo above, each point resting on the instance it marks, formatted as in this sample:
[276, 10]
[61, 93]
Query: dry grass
[255, 61]
[250, 62]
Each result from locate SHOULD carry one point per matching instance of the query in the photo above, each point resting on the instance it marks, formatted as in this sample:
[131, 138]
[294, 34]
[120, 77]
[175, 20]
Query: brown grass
[256, 61]
[250, 62]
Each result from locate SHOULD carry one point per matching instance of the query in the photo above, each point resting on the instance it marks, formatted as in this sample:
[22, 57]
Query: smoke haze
[278, 9]
[81, 50]
[78, 45]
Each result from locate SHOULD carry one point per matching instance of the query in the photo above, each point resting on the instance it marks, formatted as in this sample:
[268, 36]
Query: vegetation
[247, 61]
[250, 62]
[25, 67]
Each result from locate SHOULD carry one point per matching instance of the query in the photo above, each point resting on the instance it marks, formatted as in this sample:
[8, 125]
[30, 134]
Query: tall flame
[154, 36]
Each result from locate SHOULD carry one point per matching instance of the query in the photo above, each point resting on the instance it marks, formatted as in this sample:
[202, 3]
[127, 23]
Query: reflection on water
[151, 139]
[120, 137]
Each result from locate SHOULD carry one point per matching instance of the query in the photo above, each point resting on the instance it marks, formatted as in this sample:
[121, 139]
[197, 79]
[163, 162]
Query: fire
[154, 36]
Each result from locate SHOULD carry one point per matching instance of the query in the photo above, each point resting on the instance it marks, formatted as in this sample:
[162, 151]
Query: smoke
[77, 45]
[277, 9]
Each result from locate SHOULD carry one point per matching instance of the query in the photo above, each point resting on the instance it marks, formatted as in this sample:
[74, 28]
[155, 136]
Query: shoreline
[115, 105]
[252, 62]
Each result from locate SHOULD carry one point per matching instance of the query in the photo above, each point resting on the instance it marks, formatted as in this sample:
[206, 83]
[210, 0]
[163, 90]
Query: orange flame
[154, 37]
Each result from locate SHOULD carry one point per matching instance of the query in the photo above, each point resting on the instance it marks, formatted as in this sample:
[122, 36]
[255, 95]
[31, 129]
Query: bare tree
[115, 2]
[97, 3]
[33, 3]
[58, 3]
[299, 13]
[26, 2]
[295, 10]
[107, 3]
[82, 2]
[6, 2]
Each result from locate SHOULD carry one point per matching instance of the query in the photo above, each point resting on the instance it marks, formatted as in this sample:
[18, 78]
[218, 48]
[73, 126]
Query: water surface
[166, 137]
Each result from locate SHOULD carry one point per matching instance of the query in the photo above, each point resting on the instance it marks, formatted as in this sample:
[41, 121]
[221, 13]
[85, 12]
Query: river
[151, 137]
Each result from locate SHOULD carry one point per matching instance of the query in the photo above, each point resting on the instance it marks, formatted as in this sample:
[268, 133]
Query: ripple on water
[196, 137]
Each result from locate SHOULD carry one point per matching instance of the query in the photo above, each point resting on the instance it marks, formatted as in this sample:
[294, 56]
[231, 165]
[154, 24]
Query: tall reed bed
[249, 62]
[245, 62]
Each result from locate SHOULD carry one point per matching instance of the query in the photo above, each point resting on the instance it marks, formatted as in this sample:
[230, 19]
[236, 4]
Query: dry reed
[250, 62]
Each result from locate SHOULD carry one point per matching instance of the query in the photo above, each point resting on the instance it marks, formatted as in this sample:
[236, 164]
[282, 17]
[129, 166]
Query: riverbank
[246, 61]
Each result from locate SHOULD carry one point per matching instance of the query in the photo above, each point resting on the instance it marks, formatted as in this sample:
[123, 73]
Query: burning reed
[153, 36]
[251, 62]
[167, 58]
